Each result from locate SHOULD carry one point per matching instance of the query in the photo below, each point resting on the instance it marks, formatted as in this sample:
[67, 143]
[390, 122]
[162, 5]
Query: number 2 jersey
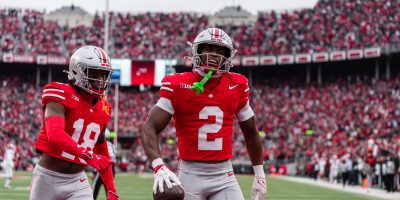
[204, 122]
[83, 122]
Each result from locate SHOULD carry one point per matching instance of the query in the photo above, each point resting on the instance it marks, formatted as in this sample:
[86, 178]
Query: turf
[135, 187]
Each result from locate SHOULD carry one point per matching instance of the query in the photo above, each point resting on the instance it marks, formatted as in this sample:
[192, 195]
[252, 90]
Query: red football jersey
[83, 122]
[204, 123]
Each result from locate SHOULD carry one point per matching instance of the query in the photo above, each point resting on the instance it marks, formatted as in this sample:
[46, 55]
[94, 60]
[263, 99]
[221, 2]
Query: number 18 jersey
[83, 122]
[204, 122]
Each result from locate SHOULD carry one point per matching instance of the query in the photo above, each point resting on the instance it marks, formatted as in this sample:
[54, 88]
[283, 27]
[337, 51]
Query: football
[175, 193]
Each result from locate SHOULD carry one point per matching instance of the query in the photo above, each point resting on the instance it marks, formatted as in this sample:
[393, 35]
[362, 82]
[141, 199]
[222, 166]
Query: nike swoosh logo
[82, 179]
[231, 87]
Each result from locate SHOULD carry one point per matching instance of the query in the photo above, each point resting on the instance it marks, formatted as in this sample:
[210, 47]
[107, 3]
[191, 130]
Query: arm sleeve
[102, 149]
[244, 111]
[107, 175]
[108, 179]
[56, 135]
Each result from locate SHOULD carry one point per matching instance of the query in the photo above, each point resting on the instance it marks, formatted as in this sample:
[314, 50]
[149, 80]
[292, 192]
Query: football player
[75, 116]
[204, 124]
[8, 164]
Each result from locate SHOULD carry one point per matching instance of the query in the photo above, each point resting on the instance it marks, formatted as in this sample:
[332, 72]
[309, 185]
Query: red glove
[112, 196]
[99, 162]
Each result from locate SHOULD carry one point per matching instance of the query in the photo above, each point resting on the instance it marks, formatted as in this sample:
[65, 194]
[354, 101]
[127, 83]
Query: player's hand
[163, 174]
[259, 189]
[112, 195]
[85, 153]
[99, 162]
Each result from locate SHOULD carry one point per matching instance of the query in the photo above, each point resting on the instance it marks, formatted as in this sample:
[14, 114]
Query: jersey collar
[199, 74]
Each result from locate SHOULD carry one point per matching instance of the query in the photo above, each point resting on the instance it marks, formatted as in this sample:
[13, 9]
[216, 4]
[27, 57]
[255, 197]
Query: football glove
[259, 188]
[99, 162]
[162, 174]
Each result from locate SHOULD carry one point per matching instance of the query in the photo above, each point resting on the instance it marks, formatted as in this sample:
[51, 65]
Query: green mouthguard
[199, 86]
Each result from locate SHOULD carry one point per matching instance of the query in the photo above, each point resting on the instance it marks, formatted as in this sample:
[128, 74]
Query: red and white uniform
[204, 122]
[83, 122]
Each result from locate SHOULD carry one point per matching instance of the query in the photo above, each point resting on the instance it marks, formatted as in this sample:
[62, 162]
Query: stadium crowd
[347, 124]
[299, 123]
[330, 25]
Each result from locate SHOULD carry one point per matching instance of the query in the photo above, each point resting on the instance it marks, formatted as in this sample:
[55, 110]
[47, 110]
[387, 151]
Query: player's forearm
[253, 141]
[254, 148]
[57, 136]
[150, 143]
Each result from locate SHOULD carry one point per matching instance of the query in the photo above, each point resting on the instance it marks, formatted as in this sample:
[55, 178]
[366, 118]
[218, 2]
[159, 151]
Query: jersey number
[87, 140]
[216, 144]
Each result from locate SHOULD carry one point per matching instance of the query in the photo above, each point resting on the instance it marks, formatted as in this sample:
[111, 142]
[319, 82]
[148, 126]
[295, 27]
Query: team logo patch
[104, 106]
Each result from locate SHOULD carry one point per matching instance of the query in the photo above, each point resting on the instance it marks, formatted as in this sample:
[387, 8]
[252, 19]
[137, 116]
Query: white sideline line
[371, 192]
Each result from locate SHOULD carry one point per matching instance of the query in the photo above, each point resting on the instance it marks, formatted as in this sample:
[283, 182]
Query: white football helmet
[212, 36]
[90, 69]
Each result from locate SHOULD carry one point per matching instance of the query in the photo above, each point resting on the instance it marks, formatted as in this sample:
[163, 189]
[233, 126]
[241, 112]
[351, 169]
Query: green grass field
[135, 187]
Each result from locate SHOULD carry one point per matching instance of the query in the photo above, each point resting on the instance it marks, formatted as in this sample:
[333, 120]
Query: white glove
[162, 174]
[259, 188]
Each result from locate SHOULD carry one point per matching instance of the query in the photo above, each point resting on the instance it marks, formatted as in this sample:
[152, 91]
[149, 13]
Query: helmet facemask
[219, 58]
[94, 80]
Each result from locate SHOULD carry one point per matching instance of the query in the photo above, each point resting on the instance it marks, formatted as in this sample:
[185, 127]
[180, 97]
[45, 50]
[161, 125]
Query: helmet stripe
[103, 58]
[217, 33]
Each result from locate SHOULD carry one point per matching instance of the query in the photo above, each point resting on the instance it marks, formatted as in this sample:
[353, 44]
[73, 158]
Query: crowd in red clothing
[83, 35]
[9, 29]
[330, 25]
[338, 117]
[41, 37]
[296, 121]
[20, 117]
[155, 35]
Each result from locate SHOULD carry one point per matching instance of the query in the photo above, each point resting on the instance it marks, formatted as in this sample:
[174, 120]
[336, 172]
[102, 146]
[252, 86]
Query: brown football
[175, 193]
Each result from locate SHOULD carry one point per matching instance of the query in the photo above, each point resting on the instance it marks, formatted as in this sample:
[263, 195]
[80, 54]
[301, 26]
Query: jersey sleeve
[58, 93]
[244, 111]
[167, 90]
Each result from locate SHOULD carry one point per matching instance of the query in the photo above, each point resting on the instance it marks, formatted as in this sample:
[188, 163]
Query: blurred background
[324, 77]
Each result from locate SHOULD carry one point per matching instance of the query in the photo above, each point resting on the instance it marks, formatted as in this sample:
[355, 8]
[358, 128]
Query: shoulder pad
[175, 78]
[59, 93]
[238, 78]
[61, 86]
